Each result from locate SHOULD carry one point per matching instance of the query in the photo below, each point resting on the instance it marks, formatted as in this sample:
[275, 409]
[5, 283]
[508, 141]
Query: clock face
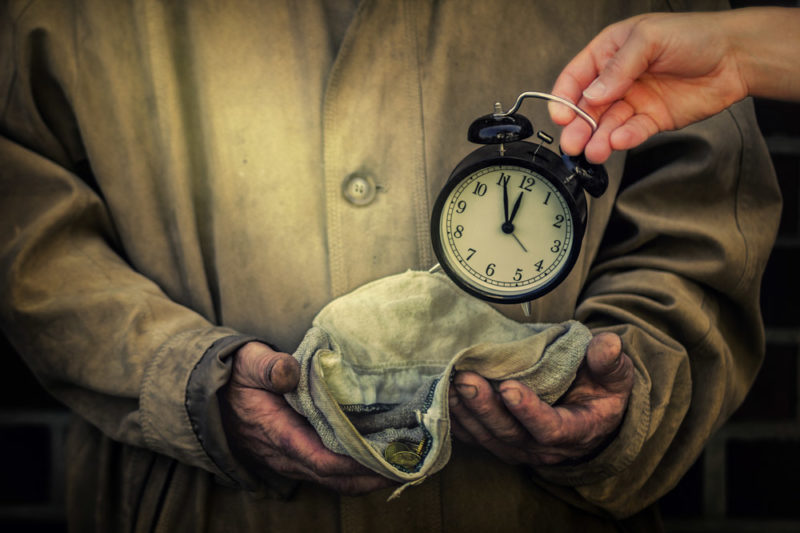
[505, 233]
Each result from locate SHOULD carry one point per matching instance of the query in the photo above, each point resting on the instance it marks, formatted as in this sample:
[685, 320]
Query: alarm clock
[508, 224]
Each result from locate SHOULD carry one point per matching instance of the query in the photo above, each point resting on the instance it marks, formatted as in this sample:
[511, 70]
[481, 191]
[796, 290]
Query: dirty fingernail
[511, 396]
[467, 391]
[453, 399]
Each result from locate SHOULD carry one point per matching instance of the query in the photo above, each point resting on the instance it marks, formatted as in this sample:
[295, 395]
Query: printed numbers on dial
[506, 229]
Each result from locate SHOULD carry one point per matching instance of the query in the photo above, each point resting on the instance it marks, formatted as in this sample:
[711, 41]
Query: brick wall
[745, 481]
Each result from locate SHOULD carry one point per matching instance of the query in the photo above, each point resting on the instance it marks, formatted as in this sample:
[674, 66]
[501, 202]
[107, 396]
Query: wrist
[764, 49]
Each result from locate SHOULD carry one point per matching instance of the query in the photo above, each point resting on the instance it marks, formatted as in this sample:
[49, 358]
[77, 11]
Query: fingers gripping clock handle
[545, 96]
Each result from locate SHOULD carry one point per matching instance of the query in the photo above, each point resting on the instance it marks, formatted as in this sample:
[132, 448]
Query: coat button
[359, 188]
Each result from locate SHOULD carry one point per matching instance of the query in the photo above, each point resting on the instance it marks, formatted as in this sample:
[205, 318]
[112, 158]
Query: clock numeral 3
[556, 246]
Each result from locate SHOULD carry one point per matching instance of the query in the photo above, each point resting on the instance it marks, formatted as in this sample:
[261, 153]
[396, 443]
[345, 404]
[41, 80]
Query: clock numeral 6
[490, 269]
[458, 232]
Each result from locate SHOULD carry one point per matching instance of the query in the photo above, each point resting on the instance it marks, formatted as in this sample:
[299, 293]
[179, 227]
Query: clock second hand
[520, 243]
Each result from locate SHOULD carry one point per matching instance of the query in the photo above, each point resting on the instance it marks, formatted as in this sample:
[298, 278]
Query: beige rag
[376, 366]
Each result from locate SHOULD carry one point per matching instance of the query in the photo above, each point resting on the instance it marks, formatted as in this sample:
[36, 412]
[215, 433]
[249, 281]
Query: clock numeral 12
[527, 183]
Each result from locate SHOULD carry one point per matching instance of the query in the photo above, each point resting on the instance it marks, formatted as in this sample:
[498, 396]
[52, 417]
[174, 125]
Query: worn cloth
[376, 366]
[171, 179]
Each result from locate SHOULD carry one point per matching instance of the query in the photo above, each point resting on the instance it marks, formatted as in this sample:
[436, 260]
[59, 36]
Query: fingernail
[467, 391]
[282, 376]
[597, 89]
[511, 396]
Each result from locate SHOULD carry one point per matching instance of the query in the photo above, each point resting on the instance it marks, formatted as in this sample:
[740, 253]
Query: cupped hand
[268, 435]
[519, 428]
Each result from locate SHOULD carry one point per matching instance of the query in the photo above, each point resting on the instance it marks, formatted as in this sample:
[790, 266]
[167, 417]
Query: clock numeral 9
[461, 207]
[480, 189]
[556, 246]
[518, 275]
[490, 269]
[458, 232]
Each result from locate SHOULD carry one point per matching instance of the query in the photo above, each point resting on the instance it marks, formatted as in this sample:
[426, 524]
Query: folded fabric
[376, 368]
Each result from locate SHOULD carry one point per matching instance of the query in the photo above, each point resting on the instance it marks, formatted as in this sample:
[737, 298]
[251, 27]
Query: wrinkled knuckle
[509, 434]
[552, 437]
[481, 409]
[484, 439]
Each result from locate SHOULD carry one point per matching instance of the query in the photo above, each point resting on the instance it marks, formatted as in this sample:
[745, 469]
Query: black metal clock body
[508, 225]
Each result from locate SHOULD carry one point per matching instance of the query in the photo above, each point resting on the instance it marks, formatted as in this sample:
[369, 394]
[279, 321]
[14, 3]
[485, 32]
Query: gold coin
[394, 447]
[405, 458]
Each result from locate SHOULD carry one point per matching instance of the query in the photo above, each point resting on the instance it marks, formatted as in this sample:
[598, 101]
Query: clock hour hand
[516, 208]
[505, 201]
[508, 226]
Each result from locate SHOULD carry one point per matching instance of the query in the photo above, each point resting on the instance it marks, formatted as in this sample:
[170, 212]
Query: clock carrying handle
[506, 126]
[544, 96]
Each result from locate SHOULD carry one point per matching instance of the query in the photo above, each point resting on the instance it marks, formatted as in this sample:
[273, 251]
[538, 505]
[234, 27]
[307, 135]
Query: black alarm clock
[507, 226]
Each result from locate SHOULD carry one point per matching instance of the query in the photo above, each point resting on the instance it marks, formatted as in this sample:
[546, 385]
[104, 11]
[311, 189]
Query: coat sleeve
[678, 277]
[101, 338]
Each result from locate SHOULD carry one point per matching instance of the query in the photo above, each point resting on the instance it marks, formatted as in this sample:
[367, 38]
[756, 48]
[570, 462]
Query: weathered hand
[267, 434]
[519, 428]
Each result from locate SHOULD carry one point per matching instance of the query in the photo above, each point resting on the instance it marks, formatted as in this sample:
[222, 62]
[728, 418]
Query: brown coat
[171, 178]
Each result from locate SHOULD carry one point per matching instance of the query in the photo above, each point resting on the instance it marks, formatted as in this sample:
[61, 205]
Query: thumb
[608, 364]
[621, 70]
[257, 366]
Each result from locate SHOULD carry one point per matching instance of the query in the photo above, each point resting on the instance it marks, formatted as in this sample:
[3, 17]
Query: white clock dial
[506, 231]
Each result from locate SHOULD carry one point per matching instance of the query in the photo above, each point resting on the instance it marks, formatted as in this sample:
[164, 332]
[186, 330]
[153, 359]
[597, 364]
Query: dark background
[745, 481]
